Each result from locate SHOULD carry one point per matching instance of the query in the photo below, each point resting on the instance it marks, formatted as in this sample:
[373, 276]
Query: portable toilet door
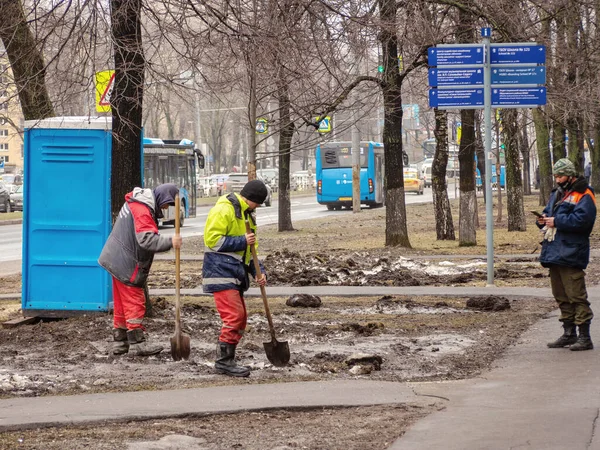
[66, 216]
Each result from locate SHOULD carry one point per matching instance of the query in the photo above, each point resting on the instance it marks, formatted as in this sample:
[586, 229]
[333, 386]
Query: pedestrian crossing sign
[105, 81]
[324, 124]
[262, 125]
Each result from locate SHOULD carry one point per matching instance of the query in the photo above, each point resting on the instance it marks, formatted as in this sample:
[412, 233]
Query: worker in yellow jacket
[227, 265]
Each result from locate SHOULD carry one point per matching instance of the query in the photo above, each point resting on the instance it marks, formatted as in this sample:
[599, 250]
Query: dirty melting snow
[359, 269]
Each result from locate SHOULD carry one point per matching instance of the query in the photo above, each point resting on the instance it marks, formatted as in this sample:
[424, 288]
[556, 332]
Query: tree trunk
[542, 137]
[524, 146]
[26, 61]
[514, 182]
[558, 141]
[466, 153]
[444, 226]
[285, 144]
[498, 173]
[126, 101]
[468, 198]
[396, 230]
[595, 154]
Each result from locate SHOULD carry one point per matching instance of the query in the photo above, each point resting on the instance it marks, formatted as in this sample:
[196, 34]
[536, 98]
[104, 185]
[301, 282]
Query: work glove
[549, 233]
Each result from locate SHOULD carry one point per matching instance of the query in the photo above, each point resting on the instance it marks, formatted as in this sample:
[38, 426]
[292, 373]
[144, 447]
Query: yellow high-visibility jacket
[227, 257]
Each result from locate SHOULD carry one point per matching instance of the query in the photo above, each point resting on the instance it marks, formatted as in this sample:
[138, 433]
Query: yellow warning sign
[105, 81]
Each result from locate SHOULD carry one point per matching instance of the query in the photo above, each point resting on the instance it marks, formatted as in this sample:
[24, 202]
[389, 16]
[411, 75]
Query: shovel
[180, 342]
[278, 353]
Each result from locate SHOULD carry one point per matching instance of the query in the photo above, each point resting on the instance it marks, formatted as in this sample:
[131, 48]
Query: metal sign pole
[487, 113]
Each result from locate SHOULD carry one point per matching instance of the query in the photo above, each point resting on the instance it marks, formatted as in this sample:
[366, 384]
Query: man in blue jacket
[567, 221]
[227, 263]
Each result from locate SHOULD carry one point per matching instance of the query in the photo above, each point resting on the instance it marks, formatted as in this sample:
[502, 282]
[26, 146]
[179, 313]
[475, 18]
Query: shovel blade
[278, 353]
[180, 346]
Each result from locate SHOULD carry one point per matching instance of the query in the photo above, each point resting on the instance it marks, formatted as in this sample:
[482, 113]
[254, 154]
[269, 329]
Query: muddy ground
[395, 338]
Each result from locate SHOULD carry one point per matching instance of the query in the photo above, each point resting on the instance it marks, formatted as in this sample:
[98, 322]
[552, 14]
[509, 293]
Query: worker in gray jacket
[128, 255]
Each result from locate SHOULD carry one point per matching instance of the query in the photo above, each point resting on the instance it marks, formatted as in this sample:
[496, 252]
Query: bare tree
[444, 225]
[26, 60]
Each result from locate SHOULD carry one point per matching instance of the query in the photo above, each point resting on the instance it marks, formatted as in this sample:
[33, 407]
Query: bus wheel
[330, 207]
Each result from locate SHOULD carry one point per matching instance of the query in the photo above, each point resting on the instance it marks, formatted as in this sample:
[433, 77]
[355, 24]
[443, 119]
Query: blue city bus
[173, 161]
[494, 178]
[334, 174]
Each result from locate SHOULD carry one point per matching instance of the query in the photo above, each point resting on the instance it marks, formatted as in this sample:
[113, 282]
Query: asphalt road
[303, 208]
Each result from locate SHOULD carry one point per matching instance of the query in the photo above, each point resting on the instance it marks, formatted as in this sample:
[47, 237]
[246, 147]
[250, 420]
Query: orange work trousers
[129, 303]
[232, 309]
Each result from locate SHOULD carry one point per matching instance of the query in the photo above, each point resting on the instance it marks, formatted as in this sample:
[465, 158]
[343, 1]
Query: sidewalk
[533, 397]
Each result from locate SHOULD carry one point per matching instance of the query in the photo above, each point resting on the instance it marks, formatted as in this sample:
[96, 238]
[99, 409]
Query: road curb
[11, 222]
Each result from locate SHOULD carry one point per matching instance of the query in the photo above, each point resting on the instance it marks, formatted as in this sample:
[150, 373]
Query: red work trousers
[232, 309]
[129, 305]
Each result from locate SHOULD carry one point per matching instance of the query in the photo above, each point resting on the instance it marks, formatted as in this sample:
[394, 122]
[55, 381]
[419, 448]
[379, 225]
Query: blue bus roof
[155, 141]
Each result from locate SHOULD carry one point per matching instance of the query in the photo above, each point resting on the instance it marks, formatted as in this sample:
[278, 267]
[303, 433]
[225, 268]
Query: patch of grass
[11, 215]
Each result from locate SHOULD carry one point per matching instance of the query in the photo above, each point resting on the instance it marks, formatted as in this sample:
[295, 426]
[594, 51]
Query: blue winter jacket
[574, 213]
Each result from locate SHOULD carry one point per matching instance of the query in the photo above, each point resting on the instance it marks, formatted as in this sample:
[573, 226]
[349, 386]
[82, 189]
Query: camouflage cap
[564, 167]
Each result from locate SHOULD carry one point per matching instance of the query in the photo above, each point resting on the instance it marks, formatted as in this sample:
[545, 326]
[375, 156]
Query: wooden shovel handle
[263, 291]
[177, 267]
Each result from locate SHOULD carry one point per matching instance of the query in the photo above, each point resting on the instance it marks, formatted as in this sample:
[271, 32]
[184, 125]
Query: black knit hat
[255, 191]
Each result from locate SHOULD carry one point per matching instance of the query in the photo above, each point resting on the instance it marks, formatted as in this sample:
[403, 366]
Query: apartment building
[11, 118]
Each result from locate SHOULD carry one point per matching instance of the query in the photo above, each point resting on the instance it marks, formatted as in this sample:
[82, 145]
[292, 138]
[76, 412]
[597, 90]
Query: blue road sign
[454, 56]
[455, 98]
[503, 97]
[517, 54]
[455, 77]
[519, 75]
[486, 32]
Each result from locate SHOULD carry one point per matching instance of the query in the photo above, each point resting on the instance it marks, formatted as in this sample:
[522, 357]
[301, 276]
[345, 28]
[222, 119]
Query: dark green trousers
[568, 288]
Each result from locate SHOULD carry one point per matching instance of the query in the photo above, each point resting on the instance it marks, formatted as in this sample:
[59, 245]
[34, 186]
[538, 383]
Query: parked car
[4, 198]
[427, 175]
[16, 199]
[236, 182]
[270, 176]
[207, 187]
[413, 182]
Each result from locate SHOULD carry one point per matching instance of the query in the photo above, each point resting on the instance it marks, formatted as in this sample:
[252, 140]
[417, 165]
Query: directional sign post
[455, 55]
[486, 76]
[456, 98]
[519, 75]
[456, 77]
[518, 97]
[517, 54]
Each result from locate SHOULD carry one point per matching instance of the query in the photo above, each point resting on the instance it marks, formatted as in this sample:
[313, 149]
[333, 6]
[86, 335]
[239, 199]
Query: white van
[426, 174]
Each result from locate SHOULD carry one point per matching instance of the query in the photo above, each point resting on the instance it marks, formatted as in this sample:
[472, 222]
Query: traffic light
[404, 158]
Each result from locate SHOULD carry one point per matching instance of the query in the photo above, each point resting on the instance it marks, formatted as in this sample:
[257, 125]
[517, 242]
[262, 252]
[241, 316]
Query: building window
[3, 120]
[4, 147]
[4, 158]
[3, 93]
[4, 106]
[3, 132]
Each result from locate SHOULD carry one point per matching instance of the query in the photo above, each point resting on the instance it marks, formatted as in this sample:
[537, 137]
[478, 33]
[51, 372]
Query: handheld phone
[536, 213]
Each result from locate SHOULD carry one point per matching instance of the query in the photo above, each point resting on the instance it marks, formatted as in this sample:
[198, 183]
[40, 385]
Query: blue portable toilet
[66, 216]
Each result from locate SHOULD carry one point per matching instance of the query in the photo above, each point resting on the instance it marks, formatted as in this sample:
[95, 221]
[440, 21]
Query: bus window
[341, 157]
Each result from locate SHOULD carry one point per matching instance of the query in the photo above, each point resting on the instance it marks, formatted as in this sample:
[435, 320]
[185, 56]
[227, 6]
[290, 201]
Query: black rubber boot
[585, 341]
[138, 345]
[120, 345]
[569, 336]
[225, 362]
